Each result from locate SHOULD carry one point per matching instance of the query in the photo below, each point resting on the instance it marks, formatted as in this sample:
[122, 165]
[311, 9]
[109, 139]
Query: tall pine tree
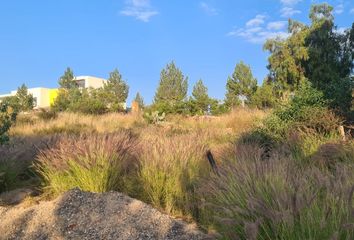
[241, 84]
[116, 91]
[200, 98]
[67, 80]
[172, 90]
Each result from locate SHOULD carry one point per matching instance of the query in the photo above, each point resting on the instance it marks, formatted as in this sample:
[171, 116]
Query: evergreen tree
[172, 90]
[25, 99]
[200, 98]
[200, 91]
[67, 80]
[139, 99]
[264, 97]
[116, 91]
[286, 70]
[22, 101]
[69, 93]
[240, 84]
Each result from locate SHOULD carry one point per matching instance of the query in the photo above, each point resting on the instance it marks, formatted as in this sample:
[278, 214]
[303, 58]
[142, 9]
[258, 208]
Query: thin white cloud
[339, 9]
[257, 21]
[290, 2]
[139, 9]
[208, 9]
[288, 12]
[276, 25]
[351, 11]
[255, 30]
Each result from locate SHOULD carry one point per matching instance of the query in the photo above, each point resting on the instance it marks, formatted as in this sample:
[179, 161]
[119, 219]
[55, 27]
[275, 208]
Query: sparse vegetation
[275, 168]
[166, 165]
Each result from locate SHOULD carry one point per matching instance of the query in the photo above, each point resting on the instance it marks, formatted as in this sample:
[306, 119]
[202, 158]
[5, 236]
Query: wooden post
[342, 132]
[135, 107]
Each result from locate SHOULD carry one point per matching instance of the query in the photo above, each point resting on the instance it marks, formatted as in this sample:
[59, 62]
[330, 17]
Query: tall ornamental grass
[252, 198]
[93, 162]
[171, 169]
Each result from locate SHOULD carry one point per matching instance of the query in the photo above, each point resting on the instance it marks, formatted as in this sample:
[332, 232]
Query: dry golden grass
[218, 128]
[65, 122]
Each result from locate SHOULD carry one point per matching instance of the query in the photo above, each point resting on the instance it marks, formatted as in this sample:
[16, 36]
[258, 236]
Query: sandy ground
[84, 215]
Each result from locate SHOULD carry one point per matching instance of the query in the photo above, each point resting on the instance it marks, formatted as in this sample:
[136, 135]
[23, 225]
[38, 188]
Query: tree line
[316, 54]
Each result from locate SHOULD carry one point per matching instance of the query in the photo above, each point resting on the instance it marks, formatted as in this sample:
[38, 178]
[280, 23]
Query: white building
[89, 82]
[44, 97]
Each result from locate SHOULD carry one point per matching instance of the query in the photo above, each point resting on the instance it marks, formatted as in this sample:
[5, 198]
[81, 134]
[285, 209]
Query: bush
[306, 111]
[154, 117]
[274, 199]
[7, 117]
[96, 163]
[7, 177]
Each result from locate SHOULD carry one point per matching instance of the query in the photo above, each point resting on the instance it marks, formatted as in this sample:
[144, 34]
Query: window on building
[80, 83]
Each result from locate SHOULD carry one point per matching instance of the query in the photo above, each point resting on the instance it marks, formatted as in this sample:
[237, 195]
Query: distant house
[44, 97]
[89, 82]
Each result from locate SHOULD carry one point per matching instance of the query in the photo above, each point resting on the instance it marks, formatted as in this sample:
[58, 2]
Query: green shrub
[8, 177]
[154, 117]
[7, 117]
[96, 163]
[307, 111]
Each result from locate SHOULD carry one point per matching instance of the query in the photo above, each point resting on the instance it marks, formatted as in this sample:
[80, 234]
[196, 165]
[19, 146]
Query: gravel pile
[84, 215]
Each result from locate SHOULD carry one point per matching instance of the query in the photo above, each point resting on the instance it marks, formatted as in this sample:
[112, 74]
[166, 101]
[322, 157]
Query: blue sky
[40, 38]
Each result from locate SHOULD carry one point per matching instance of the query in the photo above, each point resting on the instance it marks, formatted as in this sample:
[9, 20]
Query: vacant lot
[219, 172]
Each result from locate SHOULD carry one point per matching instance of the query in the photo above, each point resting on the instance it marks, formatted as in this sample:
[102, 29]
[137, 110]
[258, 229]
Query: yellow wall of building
[53, 94]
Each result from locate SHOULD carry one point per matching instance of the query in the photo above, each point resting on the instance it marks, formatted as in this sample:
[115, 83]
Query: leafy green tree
[286, 70]
[318, 53]
[116, 91]
[330, 62]
[172, 90]
[139, 99]
[240, 84]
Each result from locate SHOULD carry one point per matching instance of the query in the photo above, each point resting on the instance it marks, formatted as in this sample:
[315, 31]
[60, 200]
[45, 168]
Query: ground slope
[84, 215]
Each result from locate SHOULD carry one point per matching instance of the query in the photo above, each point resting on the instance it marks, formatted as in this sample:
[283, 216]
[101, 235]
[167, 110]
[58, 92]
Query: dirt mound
[84, 215]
